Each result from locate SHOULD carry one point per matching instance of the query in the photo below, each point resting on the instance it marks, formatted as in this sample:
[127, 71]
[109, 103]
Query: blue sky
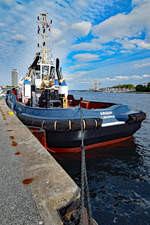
[105, 41]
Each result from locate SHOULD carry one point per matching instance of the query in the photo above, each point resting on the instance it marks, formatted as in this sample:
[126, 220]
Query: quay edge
[51, 187]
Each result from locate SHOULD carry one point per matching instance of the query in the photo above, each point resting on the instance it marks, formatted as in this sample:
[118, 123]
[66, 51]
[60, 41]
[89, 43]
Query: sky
[105, 41]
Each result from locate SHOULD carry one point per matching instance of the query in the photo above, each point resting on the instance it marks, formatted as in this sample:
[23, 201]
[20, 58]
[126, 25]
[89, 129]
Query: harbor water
[118, 175]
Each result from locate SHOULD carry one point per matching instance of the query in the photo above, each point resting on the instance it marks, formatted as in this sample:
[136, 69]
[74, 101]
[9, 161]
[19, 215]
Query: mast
[44, 25]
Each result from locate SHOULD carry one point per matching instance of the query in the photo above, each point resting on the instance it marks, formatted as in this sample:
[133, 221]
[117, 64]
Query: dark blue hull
[71, 141]
[63, 125]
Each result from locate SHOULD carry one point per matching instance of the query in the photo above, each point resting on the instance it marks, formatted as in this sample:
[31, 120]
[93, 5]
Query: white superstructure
[42, 72]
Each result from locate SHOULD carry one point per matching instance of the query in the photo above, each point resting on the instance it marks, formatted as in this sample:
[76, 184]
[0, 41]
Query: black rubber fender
[136, 117]
[60, 125]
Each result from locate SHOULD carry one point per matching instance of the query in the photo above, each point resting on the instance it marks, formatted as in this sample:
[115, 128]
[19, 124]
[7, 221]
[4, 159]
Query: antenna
[43, 26]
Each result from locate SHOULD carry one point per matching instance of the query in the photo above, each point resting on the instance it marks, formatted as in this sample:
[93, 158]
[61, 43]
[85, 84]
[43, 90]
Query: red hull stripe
[78, 149]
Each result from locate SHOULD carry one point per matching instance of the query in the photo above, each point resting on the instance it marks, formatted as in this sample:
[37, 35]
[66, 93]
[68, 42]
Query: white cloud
[81, 28]
[68, 77]
[107, 79]
[82, 3]
[140, 76]
[18, 37]
[80, 73]
[142, 65]
[141, 43]
[2, 24]
[112, 79]
[127, 45]
[7, 2]
[65, 34]
[71, 21]
[139, 2]
[125, 25]
[146, 75]
[61, 43]
[20, 7]
[78, 66]
[122, 77]
[88, 46]
[86, 57]
[136, 77]
[56, 34]
[114, 27]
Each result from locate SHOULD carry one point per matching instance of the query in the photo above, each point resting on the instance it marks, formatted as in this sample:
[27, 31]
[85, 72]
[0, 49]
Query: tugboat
[42, 103]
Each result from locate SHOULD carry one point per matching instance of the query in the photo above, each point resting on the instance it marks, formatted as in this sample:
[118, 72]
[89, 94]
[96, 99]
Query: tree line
[128, 86]
[144, 88]
[139, 87]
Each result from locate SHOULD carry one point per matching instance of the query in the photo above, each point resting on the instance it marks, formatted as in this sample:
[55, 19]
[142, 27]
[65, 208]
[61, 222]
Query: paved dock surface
[33, 186]
[17, 206]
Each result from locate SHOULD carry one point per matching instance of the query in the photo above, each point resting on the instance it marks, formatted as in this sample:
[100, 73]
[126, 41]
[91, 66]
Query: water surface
[119, 175]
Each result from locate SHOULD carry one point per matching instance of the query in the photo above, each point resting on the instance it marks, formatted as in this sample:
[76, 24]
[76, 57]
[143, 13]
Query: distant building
[14, 78]
[96, 86]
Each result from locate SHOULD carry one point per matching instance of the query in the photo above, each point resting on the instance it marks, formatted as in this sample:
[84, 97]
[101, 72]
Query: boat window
[45, 70]
[52, 72]
[37, 75]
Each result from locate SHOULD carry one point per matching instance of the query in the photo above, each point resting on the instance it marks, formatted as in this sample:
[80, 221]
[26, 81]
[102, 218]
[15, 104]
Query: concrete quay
[33, 186]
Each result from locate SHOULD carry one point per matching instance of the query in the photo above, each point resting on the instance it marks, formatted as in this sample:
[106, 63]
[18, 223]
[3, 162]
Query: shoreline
[136, 92]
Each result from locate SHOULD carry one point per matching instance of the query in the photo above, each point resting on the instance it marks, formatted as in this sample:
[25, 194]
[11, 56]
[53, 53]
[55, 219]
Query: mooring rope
[84, 181]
